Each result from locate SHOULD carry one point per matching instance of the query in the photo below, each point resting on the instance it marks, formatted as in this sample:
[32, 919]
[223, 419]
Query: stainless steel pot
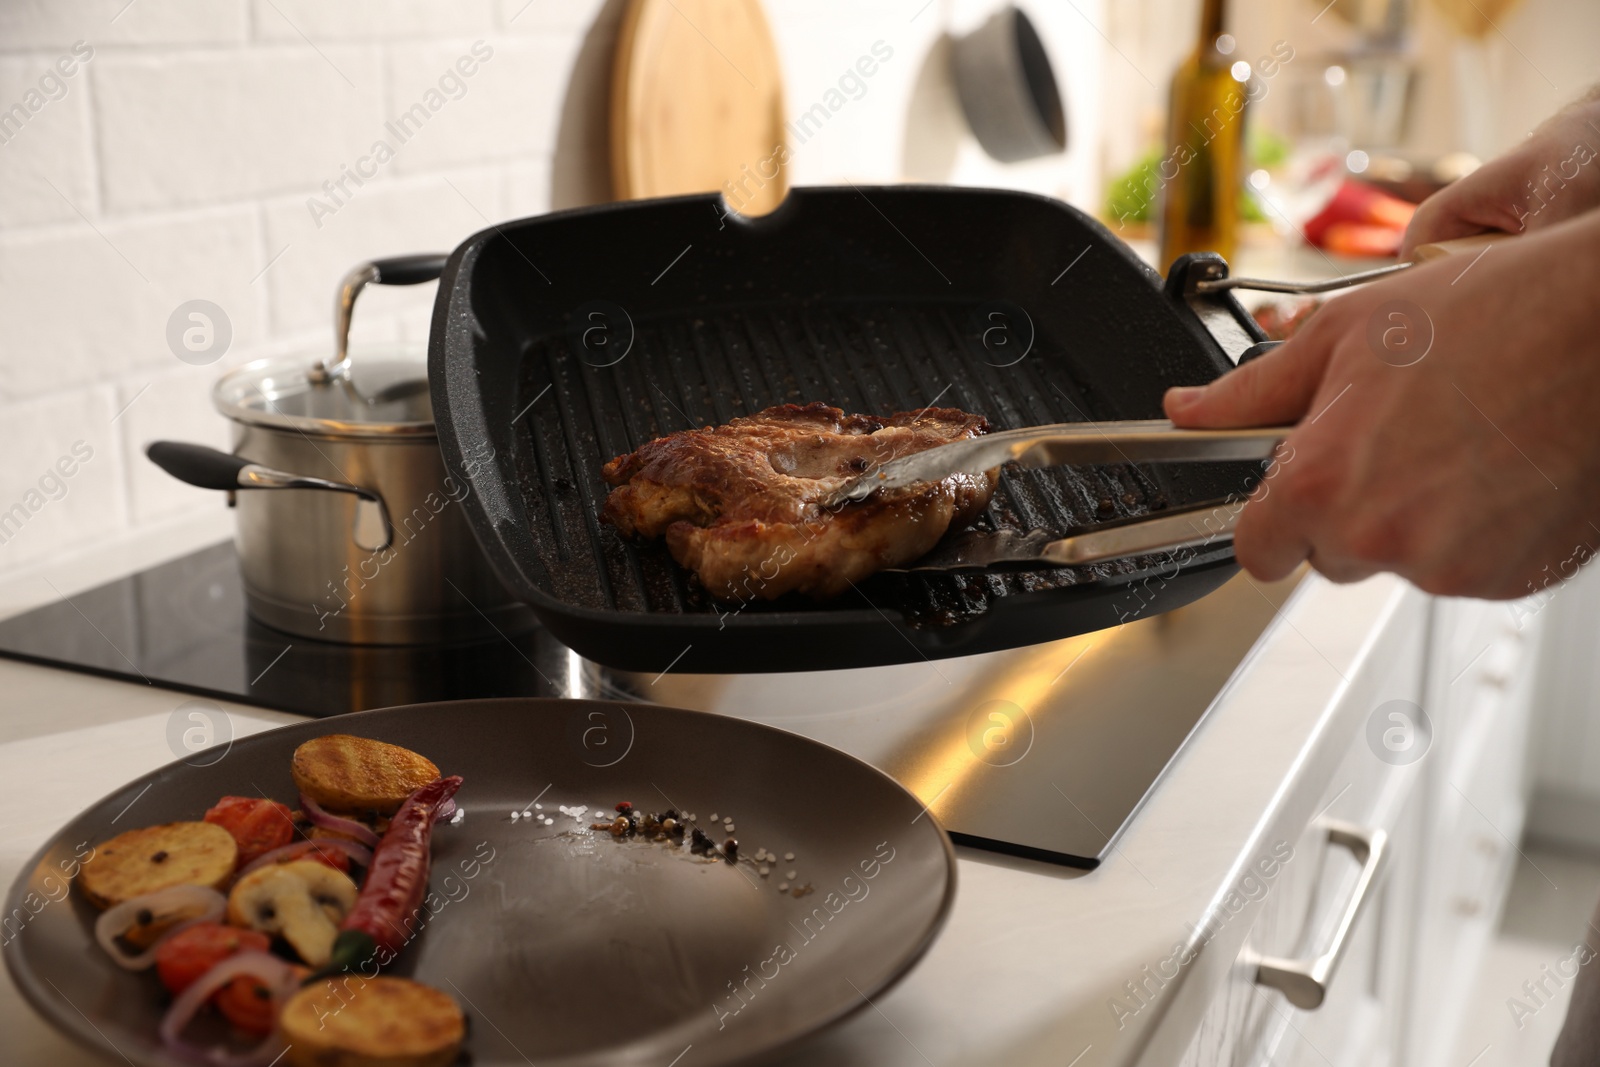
[349, 526]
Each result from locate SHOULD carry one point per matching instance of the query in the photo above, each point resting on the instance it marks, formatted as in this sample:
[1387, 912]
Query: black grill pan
[561, 341]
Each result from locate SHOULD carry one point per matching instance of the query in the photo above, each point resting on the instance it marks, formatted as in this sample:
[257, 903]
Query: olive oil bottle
[1200, 174]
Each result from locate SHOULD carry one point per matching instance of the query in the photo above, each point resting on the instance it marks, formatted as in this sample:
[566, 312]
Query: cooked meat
[739, 504]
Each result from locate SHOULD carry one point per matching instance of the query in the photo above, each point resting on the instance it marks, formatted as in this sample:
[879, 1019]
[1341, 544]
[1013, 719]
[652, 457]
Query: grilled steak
[739, 503]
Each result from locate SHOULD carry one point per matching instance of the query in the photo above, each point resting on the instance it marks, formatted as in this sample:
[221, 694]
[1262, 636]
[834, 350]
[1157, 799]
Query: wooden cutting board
[697, 104]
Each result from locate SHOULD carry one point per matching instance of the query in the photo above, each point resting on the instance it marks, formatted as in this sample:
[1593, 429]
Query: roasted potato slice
[156, 857]
[350, 1021]
[302, 901]
[357, 774]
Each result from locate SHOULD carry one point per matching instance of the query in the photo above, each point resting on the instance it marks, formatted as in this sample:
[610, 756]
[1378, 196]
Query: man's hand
[1449, 423]
[1552, 176]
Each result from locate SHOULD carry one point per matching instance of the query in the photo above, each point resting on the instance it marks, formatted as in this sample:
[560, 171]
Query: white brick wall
[175, 162]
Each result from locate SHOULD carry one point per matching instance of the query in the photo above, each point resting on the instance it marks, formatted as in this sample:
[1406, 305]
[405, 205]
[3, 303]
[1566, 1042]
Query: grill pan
[561, 341]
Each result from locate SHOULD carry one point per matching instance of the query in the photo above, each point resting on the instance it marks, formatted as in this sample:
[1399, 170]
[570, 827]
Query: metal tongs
[1112, 442]
[1455, 246]
[1067, 444]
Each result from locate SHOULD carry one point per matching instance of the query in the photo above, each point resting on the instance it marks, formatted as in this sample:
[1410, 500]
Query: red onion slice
[360, 831]
[359, 854]
[206, 905]
[272, 971]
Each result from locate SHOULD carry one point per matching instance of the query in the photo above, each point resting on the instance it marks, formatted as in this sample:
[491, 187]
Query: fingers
[1488, 199]
[1267, 540]
[1341, 571]
[1440, 224]
[1277, 388]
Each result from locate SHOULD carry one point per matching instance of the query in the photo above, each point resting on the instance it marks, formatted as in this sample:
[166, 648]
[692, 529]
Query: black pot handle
[409, 270]
[196, 464]
[211, 469]
[394, 270]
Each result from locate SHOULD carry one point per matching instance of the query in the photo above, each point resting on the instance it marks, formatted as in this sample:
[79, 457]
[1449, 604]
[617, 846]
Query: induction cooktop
[1044, 752]
[182, 625]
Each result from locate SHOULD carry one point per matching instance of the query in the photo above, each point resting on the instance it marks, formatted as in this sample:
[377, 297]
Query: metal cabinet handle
[1304, 983]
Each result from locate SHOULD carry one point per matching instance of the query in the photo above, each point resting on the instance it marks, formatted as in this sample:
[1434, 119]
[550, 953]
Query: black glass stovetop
[182, 625]
[1107, 728]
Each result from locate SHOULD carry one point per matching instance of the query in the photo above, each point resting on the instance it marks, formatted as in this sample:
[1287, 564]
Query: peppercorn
[730, 850]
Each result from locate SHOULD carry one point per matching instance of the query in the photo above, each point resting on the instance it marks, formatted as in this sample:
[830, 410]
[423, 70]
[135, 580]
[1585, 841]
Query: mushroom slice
[303, 902]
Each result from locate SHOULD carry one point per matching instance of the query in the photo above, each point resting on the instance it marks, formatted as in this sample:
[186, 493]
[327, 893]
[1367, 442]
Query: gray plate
[572, 948]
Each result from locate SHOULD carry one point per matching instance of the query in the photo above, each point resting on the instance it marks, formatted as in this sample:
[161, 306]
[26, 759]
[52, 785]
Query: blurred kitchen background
[157, 152]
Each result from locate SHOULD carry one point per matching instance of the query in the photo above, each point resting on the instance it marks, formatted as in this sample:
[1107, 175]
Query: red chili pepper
[390, 902]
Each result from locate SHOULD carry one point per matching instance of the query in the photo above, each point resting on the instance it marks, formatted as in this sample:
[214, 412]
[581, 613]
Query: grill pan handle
[395, 270]
[1477, 244]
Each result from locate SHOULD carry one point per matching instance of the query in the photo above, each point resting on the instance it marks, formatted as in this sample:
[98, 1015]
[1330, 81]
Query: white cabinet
[1565, 763]
[1451, 811]
[1360, 1020]
[1480, 692]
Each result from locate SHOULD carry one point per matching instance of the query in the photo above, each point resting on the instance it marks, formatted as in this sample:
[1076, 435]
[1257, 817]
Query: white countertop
[1033, 953]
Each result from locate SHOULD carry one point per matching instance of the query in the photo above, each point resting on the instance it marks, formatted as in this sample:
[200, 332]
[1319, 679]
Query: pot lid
[372, 398]
[377, 397]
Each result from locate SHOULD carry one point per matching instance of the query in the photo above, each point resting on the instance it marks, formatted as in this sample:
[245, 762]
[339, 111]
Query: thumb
[1276, 388]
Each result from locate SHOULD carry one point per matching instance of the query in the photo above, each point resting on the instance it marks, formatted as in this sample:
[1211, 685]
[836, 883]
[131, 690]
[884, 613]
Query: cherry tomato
[247, 1004]
[188, 954]
[258, 825]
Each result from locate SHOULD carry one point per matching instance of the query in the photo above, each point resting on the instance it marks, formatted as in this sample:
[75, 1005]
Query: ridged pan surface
[562, 341]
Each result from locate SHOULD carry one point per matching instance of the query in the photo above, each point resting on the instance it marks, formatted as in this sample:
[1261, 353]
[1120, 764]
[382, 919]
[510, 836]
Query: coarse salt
[792, 875]
[788, 855]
